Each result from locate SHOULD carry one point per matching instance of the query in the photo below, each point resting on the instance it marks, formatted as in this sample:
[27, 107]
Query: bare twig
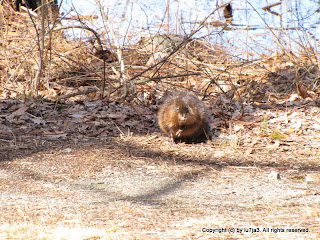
[85, 28]
[123, 77]
[36, 83]
[268, 8]
[168, 76]
[29, 11]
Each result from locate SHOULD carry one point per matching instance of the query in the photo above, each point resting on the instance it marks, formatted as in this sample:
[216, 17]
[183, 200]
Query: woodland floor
[138, 185]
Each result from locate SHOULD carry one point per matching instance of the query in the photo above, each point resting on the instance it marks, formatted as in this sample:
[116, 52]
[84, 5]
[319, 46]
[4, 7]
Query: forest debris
[84, 92]
[294, 97]
[302, 91]
[118, 116]
[54, 135]
[30, 11]
[237, 115]
[23, 108]
[249, 150]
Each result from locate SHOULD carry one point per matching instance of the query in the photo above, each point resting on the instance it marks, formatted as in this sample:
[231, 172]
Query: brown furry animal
[184, 117]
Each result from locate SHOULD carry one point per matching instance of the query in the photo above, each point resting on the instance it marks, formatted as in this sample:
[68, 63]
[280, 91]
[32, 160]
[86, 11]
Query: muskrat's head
[183, 110]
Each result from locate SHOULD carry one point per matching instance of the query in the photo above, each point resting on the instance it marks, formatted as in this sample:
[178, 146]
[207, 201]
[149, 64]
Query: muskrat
[184, 117]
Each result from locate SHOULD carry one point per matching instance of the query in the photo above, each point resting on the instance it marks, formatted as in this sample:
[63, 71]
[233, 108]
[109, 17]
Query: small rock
[294, 97]
[312, 178]
[316, 126]
[274, 175]
[67, 150]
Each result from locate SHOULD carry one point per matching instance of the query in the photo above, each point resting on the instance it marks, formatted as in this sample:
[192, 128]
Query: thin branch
[85, 28]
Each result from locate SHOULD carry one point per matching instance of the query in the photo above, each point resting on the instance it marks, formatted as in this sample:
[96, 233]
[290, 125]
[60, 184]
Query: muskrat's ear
[164, 97]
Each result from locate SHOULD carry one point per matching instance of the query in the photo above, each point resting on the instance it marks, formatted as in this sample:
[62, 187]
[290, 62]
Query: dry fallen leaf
[19, 112]
[118, 116]
[54, 135]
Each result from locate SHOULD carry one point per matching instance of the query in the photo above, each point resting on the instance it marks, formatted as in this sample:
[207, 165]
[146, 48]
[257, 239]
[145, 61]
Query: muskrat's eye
[183, 127]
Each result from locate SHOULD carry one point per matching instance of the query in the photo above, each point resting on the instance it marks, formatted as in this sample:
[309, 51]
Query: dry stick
[159, 78]
[168, 16]
[207, 68]
[25, 56]
[119, 50]
[271, 6]
[268, 8]
[208, 71]
[104, 77]
[43, 10]
[311, 49]
[88, 70]
[101, 49]
[28, 10]
[234, 89]
[39, 43]
[17, 67]
[48, 49]
[169, 76]
[85, 28]
[122, 75]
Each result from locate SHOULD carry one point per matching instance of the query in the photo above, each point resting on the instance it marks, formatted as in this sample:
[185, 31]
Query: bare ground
[145, 187]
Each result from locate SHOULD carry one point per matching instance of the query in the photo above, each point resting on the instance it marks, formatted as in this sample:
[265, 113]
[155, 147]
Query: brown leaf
[54, 135]
[302, 91]
[19, 112]
[118, 116]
